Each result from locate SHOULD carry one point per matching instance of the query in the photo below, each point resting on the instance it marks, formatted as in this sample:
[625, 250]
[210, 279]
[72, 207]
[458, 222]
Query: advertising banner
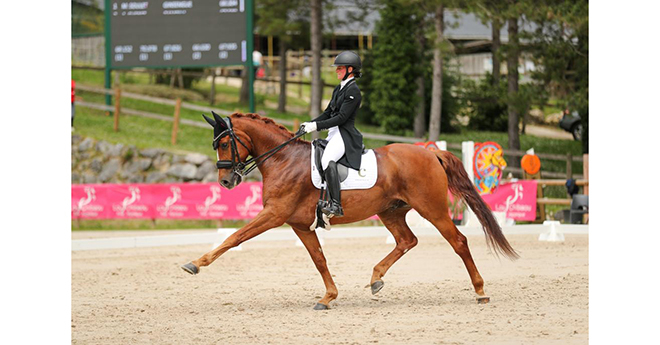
[517, 199]
[165, 201]
[210, 201]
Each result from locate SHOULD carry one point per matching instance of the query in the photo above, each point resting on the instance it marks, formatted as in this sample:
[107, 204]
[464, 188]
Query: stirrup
[333, 209]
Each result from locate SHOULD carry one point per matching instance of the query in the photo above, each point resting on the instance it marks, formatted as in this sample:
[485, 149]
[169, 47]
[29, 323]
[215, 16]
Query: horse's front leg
[311, 242]
[266, 219]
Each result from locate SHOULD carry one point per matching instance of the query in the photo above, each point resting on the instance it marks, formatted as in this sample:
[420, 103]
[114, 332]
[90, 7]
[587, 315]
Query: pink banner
[171, 201]
[209, 201]
[517, 199]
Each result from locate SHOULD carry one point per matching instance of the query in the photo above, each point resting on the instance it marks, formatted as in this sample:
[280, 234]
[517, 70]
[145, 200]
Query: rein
[238, 166]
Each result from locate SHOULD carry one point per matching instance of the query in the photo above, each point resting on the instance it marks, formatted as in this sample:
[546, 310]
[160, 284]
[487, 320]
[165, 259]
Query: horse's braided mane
[266, 120]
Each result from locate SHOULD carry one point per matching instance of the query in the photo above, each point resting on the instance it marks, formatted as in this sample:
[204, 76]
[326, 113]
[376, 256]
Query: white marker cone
[554, 234]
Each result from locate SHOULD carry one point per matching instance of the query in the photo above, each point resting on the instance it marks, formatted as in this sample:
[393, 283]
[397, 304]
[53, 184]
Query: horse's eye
[224, 145]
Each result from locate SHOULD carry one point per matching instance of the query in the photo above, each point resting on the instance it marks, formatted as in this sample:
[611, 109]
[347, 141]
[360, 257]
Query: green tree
[560, 47]
[392, 97]
[279, 18]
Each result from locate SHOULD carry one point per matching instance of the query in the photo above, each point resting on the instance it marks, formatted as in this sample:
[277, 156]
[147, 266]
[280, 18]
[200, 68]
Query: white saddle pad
[363, 179]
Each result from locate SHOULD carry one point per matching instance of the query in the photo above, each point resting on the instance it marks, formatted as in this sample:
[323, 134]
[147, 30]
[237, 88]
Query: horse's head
[231, 156]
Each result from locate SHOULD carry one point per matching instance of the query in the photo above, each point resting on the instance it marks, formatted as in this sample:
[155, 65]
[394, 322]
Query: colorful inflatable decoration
[488, 166]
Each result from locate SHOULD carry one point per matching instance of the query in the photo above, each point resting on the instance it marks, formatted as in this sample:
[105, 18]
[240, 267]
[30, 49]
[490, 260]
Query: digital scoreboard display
[162, 33]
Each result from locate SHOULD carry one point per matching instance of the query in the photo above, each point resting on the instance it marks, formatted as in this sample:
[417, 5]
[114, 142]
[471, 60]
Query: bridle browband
[238, 166]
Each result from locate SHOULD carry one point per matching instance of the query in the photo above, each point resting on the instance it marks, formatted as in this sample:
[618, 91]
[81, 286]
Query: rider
[339, 119]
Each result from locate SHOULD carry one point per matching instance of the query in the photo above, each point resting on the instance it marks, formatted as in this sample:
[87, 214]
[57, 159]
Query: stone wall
[95, 161]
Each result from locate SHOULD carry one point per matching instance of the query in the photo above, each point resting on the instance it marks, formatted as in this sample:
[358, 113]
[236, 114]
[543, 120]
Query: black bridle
[237, 165]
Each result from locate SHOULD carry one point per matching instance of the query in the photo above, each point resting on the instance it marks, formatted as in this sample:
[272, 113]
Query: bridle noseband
[238, 166]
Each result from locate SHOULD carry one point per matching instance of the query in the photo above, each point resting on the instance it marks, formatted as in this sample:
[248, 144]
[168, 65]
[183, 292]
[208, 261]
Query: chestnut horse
[409, 177]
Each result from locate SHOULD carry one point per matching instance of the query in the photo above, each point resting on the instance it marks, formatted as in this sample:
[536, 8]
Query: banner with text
[171, 201]
[210, 201]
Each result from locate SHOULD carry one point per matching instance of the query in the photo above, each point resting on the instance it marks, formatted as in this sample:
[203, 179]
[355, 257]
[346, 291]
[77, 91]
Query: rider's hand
[308, 127]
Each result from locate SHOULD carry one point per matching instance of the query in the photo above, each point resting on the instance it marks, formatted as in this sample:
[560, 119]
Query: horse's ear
[217, 118]
[222, 124]
[210, 121]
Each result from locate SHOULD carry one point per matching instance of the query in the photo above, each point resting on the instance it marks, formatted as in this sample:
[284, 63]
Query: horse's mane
[265, 120]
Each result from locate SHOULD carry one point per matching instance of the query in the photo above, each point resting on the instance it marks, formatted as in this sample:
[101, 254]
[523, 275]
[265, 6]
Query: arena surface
[264, 294]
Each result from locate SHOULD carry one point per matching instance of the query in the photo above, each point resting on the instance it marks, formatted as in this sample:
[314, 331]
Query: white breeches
[335, 149]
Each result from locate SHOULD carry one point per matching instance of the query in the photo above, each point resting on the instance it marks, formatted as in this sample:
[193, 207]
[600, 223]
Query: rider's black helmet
[349, 58]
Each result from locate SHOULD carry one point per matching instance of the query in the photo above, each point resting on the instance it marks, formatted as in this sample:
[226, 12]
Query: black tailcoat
[341, 112]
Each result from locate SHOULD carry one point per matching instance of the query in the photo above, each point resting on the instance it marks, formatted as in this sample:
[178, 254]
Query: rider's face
[341, 71]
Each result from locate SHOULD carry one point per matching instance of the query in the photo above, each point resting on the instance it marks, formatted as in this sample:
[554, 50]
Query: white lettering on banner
[119, 57]
[83, 206]
[209, 209]
[167, 56]
[249, 206]
[169, 209]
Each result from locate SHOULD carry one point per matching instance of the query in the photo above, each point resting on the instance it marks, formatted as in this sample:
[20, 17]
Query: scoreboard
[184, 33]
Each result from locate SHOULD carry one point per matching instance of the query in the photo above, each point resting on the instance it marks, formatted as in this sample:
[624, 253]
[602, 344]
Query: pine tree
[393, 98]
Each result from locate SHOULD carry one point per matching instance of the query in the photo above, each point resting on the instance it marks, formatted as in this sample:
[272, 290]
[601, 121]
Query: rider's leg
[333, 152]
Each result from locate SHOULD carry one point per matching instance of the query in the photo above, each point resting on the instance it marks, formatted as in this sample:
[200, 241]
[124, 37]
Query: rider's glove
[308, 127]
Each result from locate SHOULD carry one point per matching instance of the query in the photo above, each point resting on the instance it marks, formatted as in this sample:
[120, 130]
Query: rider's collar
[344, 82]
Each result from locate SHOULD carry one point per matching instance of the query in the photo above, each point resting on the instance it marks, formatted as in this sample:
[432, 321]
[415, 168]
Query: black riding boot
[333, 207]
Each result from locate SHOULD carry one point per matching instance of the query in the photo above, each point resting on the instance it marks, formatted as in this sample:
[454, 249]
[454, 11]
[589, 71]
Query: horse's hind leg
[441, 220]
[313, 246]
[395, 222]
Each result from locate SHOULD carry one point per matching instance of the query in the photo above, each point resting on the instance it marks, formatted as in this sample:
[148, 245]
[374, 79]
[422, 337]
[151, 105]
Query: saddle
[342, 164]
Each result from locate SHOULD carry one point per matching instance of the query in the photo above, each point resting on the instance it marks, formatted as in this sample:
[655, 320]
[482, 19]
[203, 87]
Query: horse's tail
[461, 186]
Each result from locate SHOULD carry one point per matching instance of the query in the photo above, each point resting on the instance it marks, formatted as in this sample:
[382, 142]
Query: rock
[211, 177]
[178, 159]
[196, 158]
[162, 162]
[135, 179]
[90, 178]
[75, 139]
[155, 176]
[75, 178]
[151, 153]
[96, 165]
[109, 170]
[103, 146]
[184, 171]
[116, 150]
[137, 165]
[206, 168]
[85, 145]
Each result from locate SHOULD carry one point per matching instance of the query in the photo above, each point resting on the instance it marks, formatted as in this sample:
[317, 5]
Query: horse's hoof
[320, 306]
[483, 300]
[190, 268]
[377, 286]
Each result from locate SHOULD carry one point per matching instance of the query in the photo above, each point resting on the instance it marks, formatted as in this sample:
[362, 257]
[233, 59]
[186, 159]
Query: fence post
[175, 128]
[117, 108]
[569, 165]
